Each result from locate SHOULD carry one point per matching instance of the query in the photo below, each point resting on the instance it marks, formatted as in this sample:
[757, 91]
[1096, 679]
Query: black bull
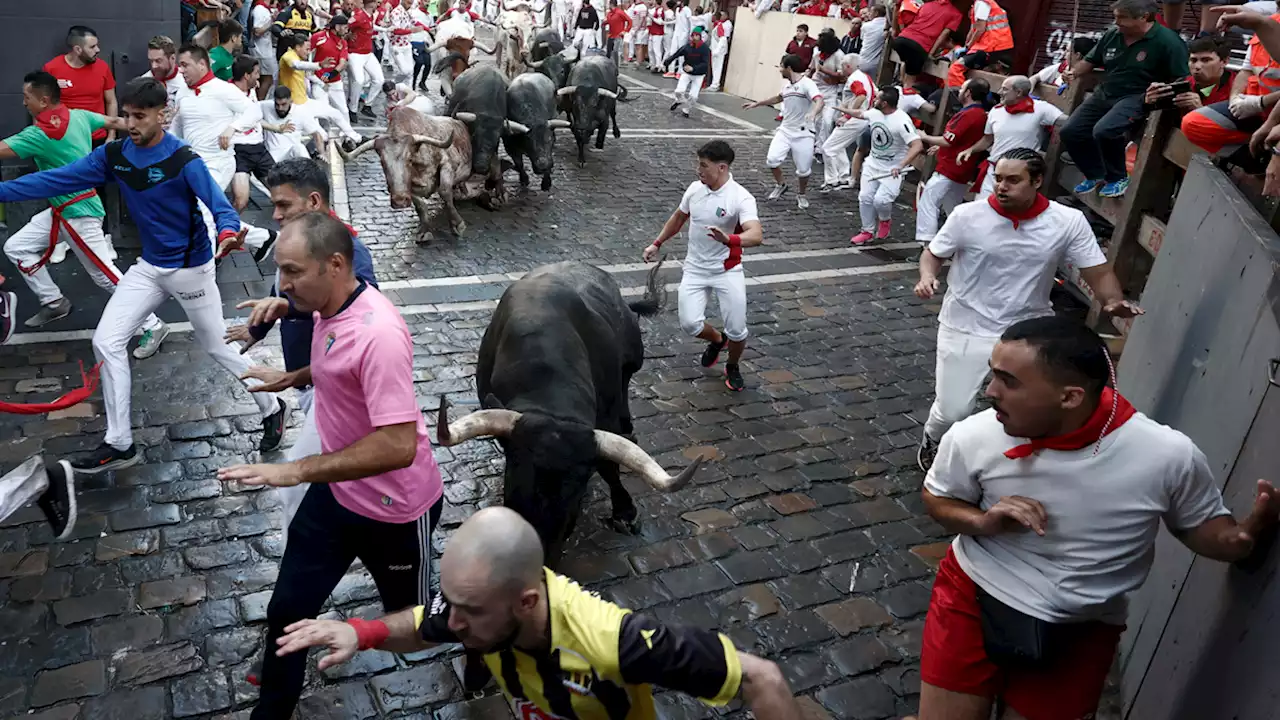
[553, 375]
[592, 94]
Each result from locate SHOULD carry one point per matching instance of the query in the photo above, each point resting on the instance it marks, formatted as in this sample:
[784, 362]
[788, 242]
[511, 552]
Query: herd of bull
[516, 101]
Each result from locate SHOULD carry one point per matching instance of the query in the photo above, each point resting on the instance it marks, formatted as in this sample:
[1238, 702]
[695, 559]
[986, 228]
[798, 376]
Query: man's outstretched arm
[87, 172]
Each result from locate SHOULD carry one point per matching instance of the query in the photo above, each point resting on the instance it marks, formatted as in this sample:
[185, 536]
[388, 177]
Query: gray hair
[1021, 84]
[1136, 9]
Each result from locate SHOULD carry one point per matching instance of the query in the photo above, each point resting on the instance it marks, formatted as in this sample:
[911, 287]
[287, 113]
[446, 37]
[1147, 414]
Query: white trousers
[362, 71]
[21, 485]
[963, 364]
[717, 71]
[223, 169]
[402, 62]
[333, 107]
[657, 44]
[827, 120]
[988, 183]
[586, 39]
[560, 22]
[940, 193]
[799, 146]
[875, 197]
[730, 288]
[835, 157]
[687, 90]
[679, 40]
[307, 444]
[142, 289]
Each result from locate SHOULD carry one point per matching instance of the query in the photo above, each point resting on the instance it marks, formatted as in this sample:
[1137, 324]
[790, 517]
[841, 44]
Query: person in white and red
[894, 145]
[402, 27]
[720, 34]
[86, 83]
[1004, 251]
[659, 17]
[330, 51]
[162, 56]
[859, 94]
[1056, 495]
[947, 186]
[801, 105]
[1019, 121]
[365, 70]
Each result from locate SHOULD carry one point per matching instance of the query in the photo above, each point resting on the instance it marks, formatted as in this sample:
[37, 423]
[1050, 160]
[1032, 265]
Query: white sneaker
[777, 191]
[802, 202]
[59, 253]
[150, 343]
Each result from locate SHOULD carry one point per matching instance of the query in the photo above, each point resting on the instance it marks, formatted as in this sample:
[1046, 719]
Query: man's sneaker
[59, 253]
[802, 202]
[261, 253]
[927, 451]
[150, 343]
[49, 313]
[353, 117]
[712, 354]
[368, 112]
[670, 75]
[733, 377]
[882, 230]
[828, 187]
[675, 105]
[1114, 189]
[59, 501]
[685, 113]
[862, 238]
[1087, 186]
[8, 307]
[106, 458]
[273, 428]
[777, 191]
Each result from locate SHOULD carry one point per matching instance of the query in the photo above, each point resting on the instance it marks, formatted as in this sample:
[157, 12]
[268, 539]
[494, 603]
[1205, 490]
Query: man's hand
[1265, 512]
[688, 69]
[933, 150]
[964, 156]
[1245, 106]
[1123, 309]
[329, 63]
[927, 287]
[749, 106]
[1188, 102]
[235, 242]
[1261, 140]
[650, 253]
[1014, 512]
[1155, 91]
[1271, 183]
[339, 637]
[224, 140]
[718, 235]
[272, 380]
[274, 475]
[1237, 16]
[895, 172]
[240, 334]
[266, 310]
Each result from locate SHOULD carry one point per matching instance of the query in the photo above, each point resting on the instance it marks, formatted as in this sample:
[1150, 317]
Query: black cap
[338, 20]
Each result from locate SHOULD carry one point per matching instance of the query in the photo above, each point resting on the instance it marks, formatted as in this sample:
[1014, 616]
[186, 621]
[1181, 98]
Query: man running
[375, 491]
[1004, 252]
[53, 487]
[722, 221]
[553, 646]
[801, 106]
[696, 61]
[1019, 121]
[287, 126]
[162, 56]
[61, 136]
[366, 71]
[949, 183]
[894, 146]
[164, 183]
[859, 94]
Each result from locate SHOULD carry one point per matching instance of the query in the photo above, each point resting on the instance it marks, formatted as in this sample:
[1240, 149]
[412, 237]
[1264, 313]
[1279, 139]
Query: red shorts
[953, 657]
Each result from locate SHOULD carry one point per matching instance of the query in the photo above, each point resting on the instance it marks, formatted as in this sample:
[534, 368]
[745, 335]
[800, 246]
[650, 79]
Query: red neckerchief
[53, 122]
[172, 75]
[1112, 412]
[195, 88]
[719, 29]
[910, 91]
[1025, 105]
[1040, 205]
[350, 229]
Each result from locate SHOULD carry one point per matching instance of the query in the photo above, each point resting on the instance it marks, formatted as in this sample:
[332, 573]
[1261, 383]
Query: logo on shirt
[720, 212]
[155, 175]
[1142, 55]
[328, 344]
[64, 84]
[387, 501]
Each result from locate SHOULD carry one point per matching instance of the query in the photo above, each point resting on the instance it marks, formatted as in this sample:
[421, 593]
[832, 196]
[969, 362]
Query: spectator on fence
[1211, 81]
[926, 37]
[1226, 126]
[1134, 54]
[1060, 73]
[990, 40]
[951, 179]
[230, 43]
[907, 12]
[802, 45]
[1019, 121]
[873, 34]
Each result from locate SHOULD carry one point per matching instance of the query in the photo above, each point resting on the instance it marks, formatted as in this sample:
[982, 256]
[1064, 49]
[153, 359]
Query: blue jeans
[1098, 131]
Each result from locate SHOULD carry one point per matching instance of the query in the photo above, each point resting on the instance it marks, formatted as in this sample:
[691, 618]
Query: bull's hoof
[524, 181]
[617, 133]
[424, 237]
[546, 181]
[622, 526]
[460, 228]
[582, 163]
[600, 145]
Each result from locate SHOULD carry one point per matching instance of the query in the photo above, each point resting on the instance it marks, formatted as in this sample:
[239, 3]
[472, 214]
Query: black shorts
[864, 139]
[913, 56]
[254, 160]
[982, 58]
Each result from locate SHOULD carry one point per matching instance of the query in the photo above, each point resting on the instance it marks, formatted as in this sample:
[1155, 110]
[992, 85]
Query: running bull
[593, 101]
[531, 102]
[553, 374]
[480, 100]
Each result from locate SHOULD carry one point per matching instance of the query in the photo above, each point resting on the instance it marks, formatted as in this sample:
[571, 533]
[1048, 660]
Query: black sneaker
[927, 451]
[711, 355]
[353, 117]
[59, 501]
[368, 112]
[8, 308]
[106, 458]
[273, 428]
[261, 253]
[675, 105]
[733, 377]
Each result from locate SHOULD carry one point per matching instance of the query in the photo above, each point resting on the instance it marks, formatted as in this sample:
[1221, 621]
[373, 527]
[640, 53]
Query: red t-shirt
[617, 22]
[328, 46]
[361, 33]
[83, 88]
[963, 130]
[933, 18]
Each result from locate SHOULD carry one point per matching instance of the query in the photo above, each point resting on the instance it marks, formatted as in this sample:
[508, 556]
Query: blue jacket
[160, 185]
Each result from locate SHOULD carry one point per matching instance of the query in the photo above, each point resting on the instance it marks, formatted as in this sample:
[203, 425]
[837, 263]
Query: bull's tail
[622, 93]
[655, 294]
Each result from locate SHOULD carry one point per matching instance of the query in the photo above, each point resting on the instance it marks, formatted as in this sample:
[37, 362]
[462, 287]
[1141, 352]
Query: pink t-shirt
[362, 368]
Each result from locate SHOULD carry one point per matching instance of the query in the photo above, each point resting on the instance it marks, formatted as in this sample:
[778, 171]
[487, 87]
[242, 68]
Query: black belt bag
[1014, 638]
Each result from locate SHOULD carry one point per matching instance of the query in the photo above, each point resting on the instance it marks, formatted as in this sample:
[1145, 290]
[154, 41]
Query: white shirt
[177, 88]
[639, 14]
[703, 21]
[261, 44]
[910, 102]
[720, 45]
[683, 17]
[253, 135]
[872, 44]
[202, 117]
[1104, 512]
[280, 145]
[891, 135]
[725, 208]
[981, 10]
[1049, 75]
[1001, 275]
[797, 98]
[1019, 130]
[418, 16]
[833, 64]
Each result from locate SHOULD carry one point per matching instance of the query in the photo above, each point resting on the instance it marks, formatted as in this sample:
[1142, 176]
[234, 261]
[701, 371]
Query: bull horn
[466, 117]
[532, 64]
[607, 93]
[558, 123]
[437, 45]
[418, 139]
[359, 149]
[629, 455]
[485, 50]
[567, 90]
[480, 423]
[516, 128]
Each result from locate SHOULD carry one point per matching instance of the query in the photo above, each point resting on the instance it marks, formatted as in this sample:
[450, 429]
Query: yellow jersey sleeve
[701, 663]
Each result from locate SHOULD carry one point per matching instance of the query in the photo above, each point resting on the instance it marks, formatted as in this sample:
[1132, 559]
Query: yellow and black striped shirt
[603, 659]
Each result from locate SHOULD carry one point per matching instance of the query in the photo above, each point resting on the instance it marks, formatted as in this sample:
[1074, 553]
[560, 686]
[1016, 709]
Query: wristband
[735, 241]
[658, 243]
[226, 234]
[369, 633]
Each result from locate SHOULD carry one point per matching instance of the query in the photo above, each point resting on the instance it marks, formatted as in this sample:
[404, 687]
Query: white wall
[758, 46]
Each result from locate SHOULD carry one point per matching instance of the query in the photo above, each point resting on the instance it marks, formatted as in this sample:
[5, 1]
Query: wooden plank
[1178, 150]
[937, 69]
[1049, 94]
[1151, 234]
[1110, 209]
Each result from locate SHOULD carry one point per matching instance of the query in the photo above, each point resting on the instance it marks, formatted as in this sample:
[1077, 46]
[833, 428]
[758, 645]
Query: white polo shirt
[1000, 274]
[797, 97]
[285, 145]
[1019, 130]
[910, 102]
[203, 116]
[725, 208]
[891, 135]
[253, 135]
[1104, 512]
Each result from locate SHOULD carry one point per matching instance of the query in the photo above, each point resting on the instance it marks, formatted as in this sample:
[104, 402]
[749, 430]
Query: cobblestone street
[804, 538]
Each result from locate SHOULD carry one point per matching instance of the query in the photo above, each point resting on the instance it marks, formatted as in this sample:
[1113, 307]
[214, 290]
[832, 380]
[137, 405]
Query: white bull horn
[485, 50]
[481, 423]
[439, 44]
[516, 128]
[567, 90]
[558, 123]
[629, 455]
[359, 150]
[607, 93]
[419, 139]
[466, 117]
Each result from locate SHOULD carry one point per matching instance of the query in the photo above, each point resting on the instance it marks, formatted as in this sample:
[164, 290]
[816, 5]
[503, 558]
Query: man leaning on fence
[1135, 53]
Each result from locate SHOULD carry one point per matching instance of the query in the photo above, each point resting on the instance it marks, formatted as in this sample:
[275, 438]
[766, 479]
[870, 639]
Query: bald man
[497, 599]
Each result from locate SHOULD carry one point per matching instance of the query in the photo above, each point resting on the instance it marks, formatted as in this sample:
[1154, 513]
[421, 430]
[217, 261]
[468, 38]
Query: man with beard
[162, 56]
[1056, 495]
[287, 126]
[1004, 252]
[538, 629]
[165, 186]
[374, 492]
[86, 84]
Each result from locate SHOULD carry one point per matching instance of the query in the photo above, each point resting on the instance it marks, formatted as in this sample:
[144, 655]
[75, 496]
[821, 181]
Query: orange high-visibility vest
[997, 36]
[908, 7]
[1266, 71]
